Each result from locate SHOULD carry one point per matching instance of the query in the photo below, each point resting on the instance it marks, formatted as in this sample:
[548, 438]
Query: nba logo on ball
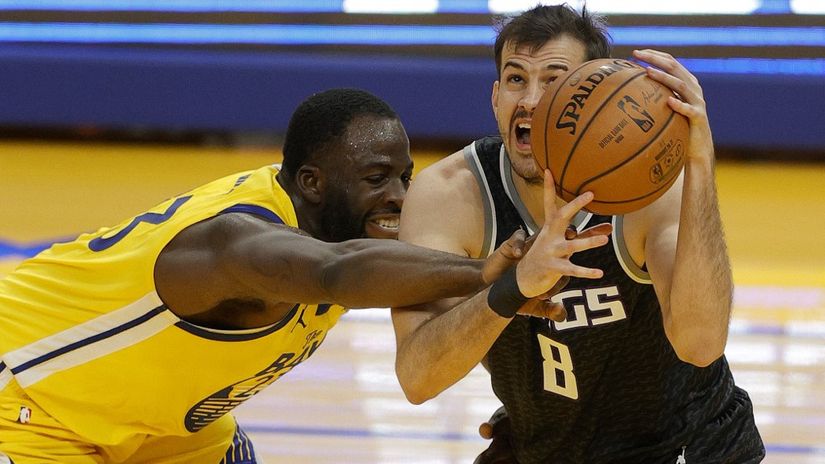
[640, 116]
[606, 127]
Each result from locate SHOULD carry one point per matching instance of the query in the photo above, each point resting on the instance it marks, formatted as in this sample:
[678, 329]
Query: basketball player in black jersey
[635, 373]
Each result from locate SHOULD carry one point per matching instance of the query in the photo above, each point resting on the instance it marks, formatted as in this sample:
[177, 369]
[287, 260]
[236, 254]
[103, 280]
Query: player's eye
[377, 179]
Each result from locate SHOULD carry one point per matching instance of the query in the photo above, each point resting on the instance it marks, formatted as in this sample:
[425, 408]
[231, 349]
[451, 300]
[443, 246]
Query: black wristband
[504, 297]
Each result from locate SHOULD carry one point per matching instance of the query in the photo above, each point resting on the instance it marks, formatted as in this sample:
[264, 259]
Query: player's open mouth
[522, 131]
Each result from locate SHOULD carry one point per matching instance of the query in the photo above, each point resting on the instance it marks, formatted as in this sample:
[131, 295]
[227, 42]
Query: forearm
[442, 350]
[383, 273]
[702, 287]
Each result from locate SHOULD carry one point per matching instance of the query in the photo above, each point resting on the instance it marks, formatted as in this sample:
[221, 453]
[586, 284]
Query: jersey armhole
[632, 270]
[473, 163]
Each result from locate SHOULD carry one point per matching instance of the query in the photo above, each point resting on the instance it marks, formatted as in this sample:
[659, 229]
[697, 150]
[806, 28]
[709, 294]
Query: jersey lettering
[558, 368]
[221, 402]
[589, 307]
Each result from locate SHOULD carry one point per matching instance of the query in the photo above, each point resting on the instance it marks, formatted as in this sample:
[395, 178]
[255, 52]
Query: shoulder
[451, 173]
[443, 208]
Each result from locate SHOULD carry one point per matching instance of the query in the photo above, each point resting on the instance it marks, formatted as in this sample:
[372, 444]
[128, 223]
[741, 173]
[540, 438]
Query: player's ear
[310, 183]
[494, 99]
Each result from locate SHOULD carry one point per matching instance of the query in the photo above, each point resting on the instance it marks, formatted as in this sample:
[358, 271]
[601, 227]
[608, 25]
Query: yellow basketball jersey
[84, 333]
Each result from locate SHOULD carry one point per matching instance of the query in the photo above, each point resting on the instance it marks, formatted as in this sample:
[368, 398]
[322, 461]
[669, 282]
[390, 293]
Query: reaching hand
[549, 257]
[505, 256]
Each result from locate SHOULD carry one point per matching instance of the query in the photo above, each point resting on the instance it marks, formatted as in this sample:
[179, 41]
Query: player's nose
[531, 97]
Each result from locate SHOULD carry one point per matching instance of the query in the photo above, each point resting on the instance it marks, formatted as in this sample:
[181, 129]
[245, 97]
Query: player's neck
[532, 195]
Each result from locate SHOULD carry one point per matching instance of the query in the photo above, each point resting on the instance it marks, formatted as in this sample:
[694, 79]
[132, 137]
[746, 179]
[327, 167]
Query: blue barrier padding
[67, 86]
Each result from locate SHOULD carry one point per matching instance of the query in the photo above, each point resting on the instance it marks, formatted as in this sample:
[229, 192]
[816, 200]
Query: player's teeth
[387, 223]
[525, 125]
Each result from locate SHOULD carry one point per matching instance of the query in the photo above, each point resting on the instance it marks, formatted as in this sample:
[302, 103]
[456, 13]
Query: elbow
[700, 353]
[698, 358]
[415, 389]
[415, 396]
[699, 344]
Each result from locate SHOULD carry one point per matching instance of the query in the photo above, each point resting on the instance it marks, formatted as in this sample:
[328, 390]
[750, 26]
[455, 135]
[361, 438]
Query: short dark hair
[322, 118]
[541, 24]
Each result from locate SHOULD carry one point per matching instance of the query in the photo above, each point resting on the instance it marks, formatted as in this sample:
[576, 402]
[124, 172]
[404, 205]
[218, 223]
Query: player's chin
[381, 229]
[525, 165]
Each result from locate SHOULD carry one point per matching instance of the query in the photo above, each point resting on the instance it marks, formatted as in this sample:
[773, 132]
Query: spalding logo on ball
[606, 127]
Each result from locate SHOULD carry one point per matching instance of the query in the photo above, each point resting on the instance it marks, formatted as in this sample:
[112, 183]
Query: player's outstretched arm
[685, 246]
[241, 257]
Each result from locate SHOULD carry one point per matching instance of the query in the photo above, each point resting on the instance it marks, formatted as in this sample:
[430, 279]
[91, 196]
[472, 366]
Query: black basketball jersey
[605, 385]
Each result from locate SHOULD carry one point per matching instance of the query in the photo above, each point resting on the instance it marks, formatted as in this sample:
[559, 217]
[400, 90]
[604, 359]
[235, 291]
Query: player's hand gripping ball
[606, 127]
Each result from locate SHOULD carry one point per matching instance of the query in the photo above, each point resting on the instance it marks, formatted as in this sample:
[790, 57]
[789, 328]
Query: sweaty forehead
[371, 139]
[367, 129]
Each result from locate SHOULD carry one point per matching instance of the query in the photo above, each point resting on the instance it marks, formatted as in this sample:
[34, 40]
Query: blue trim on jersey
[88, 341]
[230, 336]
[256, 210]
[322, 309]
[241, 450]
[2, 367]
[104, 243]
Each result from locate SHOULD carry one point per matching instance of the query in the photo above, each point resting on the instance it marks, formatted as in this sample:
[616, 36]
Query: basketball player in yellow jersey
[133, 343]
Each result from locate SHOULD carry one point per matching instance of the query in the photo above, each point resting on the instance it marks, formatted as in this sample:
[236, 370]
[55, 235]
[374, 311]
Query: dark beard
[337, 221]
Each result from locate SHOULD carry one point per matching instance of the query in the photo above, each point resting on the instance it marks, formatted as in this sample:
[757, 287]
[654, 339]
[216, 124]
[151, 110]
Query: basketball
[606, 127]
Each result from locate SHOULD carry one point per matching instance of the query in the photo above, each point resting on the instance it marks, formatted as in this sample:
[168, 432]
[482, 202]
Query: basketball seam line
[547, 119]
[629, 159]
[607, 99]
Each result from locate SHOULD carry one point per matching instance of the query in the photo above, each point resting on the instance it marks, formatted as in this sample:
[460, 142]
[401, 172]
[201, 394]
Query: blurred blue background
[238, 68]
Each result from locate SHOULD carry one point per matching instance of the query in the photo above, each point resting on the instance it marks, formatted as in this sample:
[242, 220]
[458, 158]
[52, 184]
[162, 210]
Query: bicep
[239, 257]
[661, 233]
[443, 212]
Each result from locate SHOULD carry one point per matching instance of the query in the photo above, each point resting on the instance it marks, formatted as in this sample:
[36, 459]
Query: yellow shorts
[28, 435]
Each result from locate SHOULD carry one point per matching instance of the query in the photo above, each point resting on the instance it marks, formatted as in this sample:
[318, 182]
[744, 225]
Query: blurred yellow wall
[773, 212]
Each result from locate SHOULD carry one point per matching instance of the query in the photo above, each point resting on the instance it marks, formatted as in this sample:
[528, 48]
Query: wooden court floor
[344, 405]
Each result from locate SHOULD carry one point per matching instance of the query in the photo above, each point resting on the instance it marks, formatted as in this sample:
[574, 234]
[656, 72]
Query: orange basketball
[605, 127]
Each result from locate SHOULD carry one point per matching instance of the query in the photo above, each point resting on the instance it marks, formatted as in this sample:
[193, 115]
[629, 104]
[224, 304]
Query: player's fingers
[569, 210]
[581, 244]
[549, 196]
[544, 309]
[573, 270]
[671, 66]
[662, 60]
[505, 256]
[600, 229]
[485, 430]
[688, 92]
[556, 312]
[513, 247]
[570, 233]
